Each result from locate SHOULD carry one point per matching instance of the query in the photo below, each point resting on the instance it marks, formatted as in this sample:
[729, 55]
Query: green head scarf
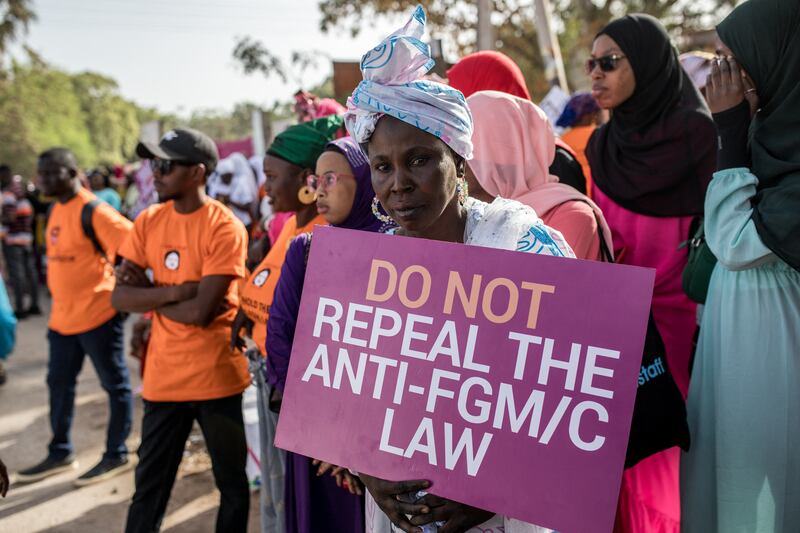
[764, 35]
[303, 143]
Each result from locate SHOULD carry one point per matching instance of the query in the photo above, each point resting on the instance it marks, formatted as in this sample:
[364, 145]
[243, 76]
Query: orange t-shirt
[577, 138]
[257, 293]
[185, 362]
[79, 279]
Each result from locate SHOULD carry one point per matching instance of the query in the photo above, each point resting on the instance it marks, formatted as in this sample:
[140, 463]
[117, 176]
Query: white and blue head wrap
[393, 86]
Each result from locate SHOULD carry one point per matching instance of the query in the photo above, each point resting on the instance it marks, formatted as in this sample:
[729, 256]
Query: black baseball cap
[182, 144]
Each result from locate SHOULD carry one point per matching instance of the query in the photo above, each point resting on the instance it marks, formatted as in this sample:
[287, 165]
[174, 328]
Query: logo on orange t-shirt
[172, 261]
[54, 234]
[261, 278]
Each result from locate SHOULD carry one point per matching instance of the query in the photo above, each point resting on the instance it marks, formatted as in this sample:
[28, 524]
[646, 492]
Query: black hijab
[764, 35]
[657, 153]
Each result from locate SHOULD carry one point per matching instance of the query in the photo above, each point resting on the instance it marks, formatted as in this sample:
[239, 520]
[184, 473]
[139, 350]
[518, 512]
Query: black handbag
[659, 413]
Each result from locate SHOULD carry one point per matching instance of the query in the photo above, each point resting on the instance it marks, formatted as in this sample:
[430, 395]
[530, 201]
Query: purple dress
[314, 504]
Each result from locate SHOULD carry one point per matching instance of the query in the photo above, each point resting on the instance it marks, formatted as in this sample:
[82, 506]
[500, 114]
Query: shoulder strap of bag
[88, 228]
[604, 251]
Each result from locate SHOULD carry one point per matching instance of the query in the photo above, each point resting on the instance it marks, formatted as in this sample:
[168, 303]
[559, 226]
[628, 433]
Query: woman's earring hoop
[306, 195]
[376, 210]
[462, 189]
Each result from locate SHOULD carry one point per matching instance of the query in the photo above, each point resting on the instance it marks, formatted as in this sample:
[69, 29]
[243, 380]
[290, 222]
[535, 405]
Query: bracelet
[748, 91]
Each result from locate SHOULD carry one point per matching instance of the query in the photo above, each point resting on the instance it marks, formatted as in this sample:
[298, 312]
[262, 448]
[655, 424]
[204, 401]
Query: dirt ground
[55, 505]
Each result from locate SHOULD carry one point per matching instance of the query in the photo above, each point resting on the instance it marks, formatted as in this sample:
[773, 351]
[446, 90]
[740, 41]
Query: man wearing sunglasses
[196, 250]
[80, 276]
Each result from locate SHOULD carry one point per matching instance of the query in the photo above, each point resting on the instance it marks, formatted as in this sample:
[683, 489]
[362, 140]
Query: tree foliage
[254, 57]
[111, 121]
[38, 109]
[222, 125]
[576, 21]
[16, 17]
[42, 106]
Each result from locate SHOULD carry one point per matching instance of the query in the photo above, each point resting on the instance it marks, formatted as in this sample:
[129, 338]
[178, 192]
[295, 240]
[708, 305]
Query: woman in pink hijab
[513, 147]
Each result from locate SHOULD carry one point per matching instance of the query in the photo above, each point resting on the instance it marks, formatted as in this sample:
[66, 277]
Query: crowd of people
[688, 165]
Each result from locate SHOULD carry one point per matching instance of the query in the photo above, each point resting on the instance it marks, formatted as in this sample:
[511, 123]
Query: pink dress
[650, 496]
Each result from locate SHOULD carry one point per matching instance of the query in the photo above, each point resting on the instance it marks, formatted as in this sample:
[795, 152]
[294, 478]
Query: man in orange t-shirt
[196, 249]
[82, 321]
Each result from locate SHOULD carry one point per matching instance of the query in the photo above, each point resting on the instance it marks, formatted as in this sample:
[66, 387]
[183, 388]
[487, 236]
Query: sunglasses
[325, 181]
[164, 167]
[606, 63]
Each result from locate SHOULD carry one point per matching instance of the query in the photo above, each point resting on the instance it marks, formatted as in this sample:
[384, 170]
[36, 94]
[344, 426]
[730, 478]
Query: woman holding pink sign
[418, 137]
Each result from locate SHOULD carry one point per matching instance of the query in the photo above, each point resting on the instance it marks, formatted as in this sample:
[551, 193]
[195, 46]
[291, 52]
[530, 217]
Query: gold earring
[379, 214]
[306, 195]
[462, 190]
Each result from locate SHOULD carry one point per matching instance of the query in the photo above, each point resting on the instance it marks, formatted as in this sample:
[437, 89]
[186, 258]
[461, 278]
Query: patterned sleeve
[541, 239]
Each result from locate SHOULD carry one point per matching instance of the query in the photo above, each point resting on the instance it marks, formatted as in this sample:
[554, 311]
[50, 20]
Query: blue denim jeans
[105, 347]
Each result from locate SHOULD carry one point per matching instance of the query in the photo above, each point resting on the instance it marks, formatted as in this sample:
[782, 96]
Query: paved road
[55, 505]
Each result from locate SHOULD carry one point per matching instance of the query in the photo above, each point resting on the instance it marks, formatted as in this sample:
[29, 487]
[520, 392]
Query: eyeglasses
[326, 181]
[606, 63]
[164, 167]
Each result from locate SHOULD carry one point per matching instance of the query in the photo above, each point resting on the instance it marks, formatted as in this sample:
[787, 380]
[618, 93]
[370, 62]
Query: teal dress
[742, 474]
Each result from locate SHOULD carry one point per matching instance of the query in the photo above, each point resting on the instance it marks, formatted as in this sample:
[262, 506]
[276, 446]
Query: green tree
[254, 57]
[221, 125]
[41, 106]
[16, 17]
[111, 120]
[577, 22]
[39, 109]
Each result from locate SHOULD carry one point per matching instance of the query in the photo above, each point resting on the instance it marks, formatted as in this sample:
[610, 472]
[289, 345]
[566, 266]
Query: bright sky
[176, 55]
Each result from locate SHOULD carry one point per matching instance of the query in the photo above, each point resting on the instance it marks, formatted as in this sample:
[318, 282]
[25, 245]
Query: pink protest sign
[507, 379]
